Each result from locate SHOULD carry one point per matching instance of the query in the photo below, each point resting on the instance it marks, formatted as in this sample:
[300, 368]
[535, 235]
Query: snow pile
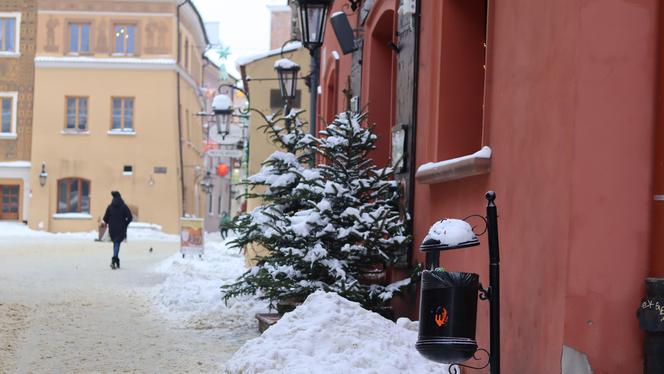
[148, 231]
[191, 292]
[329, 334]
[451, 232]
[137, 231]
[21, 230]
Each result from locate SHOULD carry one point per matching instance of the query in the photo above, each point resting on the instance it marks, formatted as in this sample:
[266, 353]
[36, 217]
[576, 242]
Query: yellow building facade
[117, 92]
[259, 78]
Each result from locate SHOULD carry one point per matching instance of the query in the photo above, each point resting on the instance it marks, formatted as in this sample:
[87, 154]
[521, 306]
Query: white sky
[244, 25]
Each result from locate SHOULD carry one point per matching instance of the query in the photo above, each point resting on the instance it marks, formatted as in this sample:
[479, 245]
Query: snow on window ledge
[8, 135]
[10, 54]
[121, 132]
[80, 216]
[74, 132]
[456, 168]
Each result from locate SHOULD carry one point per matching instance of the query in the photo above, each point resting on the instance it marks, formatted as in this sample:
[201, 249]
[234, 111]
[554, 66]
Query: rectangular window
[73, 195]
[210, 210]
[127, 170]
[125, 40]
[186, 54]
[7, 106]
[79, 38]
[8, 35]
[219, 205]
[77, 113]
[123, 114]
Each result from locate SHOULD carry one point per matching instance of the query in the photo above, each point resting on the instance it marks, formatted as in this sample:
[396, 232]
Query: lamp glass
[312, 22]
[288, 82]
[223, 123]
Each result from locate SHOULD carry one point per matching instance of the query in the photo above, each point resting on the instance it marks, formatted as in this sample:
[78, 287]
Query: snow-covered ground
[326, 334]
[78, 299]
[191, 292]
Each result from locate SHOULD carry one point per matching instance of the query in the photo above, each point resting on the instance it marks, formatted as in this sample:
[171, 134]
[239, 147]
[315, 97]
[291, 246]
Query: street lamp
[287, 72]
[313, 17]
[222, 106]
[206, 183]
[43, 175]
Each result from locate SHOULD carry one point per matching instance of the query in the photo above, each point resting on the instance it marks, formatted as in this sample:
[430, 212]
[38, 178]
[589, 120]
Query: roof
[198, 16]
[242, 61]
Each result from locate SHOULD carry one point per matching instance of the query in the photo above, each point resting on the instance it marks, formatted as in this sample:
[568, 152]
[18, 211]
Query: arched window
[379, 79]
[73, 195]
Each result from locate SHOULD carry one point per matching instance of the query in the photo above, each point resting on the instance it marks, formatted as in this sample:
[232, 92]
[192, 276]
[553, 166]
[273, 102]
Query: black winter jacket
[118, 216]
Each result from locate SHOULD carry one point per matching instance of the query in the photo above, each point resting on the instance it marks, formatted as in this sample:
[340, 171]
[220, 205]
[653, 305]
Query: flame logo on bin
[440, 317]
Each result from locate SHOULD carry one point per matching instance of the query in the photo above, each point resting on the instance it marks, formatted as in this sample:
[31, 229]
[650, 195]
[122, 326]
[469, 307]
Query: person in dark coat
[117, 218]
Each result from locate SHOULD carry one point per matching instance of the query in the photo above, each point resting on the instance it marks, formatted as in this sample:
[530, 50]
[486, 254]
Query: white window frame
[17, 34]
[14, 97]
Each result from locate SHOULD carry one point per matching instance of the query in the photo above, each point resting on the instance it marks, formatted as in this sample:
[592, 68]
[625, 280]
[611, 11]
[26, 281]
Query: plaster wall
[100, 156]
[569, 116]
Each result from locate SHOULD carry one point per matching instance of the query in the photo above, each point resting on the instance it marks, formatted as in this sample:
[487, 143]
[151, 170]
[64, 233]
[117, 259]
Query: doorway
[9, 201]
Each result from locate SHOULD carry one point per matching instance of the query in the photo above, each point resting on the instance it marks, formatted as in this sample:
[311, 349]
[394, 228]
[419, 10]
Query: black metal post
[313, 103]
[494, 283]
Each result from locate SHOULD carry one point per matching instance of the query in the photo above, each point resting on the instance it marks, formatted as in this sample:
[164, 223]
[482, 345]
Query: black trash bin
[448, 316]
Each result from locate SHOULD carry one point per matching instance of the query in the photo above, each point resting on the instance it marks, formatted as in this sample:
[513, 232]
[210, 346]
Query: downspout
[179, 109]
[413, 137]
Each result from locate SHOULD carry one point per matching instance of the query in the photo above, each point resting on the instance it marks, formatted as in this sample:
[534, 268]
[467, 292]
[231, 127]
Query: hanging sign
[234, 153]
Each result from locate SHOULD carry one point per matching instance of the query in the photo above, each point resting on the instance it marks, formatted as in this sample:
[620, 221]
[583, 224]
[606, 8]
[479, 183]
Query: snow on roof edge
[246, 60]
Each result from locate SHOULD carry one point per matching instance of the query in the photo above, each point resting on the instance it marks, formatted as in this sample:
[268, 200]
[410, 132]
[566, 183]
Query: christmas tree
[324, 228]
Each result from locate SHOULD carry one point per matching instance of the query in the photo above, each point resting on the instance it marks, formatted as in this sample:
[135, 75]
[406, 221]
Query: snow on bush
[451, 232]
[191, 292]
[329, 334]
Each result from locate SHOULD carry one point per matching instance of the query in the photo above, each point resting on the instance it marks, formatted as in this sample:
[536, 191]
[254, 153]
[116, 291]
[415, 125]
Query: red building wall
[569, 112]
[569, 116]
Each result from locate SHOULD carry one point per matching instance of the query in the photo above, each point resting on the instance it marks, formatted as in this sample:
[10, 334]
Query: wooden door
[9, 201]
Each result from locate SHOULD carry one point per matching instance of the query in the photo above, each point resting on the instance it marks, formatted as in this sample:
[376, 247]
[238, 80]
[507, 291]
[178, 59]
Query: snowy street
[64, 310]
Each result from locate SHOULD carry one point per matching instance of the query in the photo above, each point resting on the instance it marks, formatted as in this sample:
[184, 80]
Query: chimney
[280, 25]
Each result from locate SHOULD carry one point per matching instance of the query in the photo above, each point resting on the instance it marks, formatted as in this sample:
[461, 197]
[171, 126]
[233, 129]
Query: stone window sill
[7, 136]
[457, 168]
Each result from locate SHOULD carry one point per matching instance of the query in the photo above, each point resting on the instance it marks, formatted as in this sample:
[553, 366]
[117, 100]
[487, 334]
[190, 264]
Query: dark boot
[113, 263]
[117, 262]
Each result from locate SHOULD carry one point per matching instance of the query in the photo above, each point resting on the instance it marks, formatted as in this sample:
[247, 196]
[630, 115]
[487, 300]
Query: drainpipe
[179, 109]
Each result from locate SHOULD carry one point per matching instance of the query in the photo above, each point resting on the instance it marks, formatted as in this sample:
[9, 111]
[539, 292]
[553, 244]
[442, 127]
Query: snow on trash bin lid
[449, 232]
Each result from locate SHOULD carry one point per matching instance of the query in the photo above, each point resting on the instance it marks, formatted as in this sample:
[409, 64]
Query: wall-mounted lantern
[206, 183]
[222, 106]
[43, 175]
[287, 72]
[448, 300]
